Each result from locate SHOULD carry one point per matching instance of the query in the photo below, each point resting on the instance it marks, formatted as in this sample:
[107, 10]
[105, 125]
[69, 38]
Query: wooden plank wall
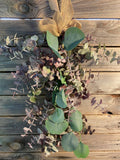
[101, 20]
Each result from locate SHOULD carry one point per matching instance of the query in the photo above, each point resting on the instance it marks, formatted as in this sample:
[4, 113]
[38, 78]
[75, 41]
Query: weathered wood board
[107, 142]
[100, 83]
[15, 106]
[104, 64]
[92, 156]
[39, 8]
[102, 22]
[103, 31]
[60, 156]
[105, 83]
[9, 65]
[101, 123]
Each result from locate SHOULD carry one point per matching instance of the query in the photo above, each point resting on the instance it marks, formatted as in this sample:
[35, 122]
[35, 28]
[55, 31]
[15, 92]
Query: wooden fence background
[100, 18]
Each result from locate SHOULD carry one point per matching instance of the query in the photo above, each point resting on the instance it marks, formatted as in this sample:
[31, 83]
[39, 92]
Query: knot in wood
[23, 7]
[15, 146]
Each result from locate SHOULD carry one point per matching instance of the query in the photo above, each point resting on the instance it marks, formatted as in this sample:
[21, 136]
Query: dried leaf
[53, 5]
[30, 145]
[8, 40]
[26, 130]
[62, 19]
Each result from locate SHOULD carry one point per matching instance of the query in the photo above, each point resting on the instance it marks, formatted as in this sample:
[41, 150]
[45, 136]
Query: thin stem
[80, 136]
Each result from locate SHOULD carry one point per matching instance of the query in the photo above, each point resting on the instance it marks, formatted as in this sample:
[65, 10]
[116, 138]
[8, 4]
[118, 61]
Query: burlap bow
[61, 20]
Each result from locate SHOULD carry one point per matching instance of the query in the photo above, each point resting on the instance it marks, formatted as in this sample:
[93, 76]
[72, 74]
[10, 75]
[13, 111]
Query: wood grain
[39, 9]
[98, 142]
[24, 9]
[92, 156]
[12, 106]
[7, 84]
[103, 31]
[9, 65]
[110, 105]
[96, 9]
[104, 65]
[101, 123]
[60, 156]
[105, 143]
[15, 106]
[103, 83]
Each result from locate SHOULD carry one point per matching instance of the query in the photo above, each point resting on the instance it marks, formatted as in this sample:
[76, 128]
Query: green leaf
[54, 94]
[37, 92]
[114, 54]
[82, 151]
[52, 42]
[45, 71]
[56, 128]
[58, 116]
[33, 99]
[73, 36]
[76, 121]
[69, 142]
[107, 53]
[56, 90]
[61, 99]
[41, 39]
[34, 38]
[85, 49]
[113, 59]
[63, 81]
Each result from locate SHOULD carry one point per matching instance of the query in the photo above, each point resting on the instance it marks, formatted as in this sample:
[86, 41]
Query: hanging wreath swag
[54, 80]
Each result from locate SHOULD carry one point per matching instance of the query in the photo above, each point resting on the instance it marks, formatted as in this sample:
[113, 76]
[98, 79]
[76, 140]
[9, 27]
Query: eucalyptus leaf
[63, 81]
[69, 142]
[107, 53]
[114, 54]
[37, 92]
[61, 99]
[73, 36]
[56, 128]
[85, 49]
[82, 151]
[76, 121]
[34, 38]
[33, 99]
[46, 71]
[52, 42]
[55, 91]
[41, 39]
[113, 59]
[57, 116]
